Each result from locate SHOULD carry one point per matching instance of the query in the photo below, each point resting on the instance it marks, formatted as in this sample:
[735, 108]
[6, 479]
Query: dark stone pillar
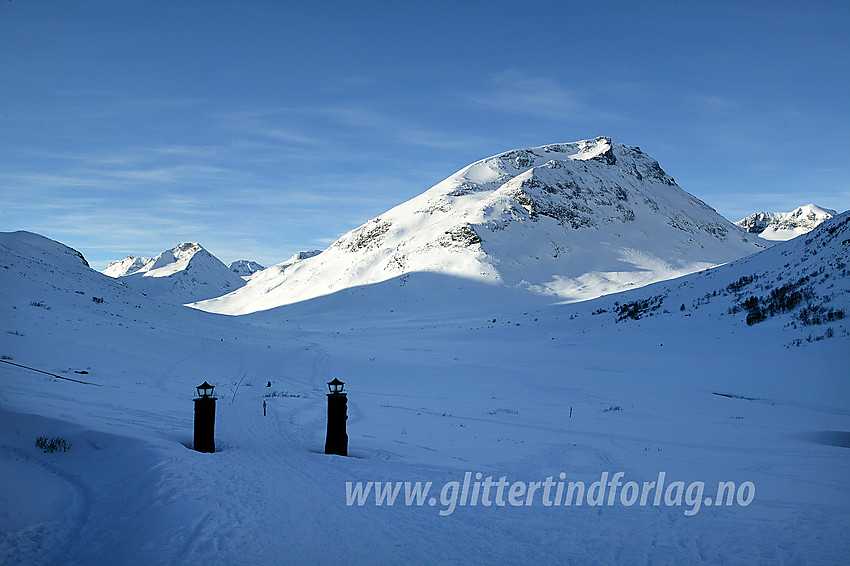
[205, 424]
[337, 439]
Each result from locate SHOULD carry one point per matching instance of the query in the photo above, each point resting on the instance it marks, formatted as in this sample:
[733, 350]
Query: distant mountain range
[781, 226]
[573, 221]
[182, 274]
[189, 273]
[799, 288]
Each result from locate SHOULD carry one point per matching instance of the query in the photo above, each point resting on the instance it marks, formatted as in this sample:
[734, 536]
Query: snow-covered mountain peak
[184, 273]
[591, 149]
[168, 262]
[499, 168]
[781, 226]
[571, 220]
[175, 259]
[245, 268]
[812, 210]
[127, 266]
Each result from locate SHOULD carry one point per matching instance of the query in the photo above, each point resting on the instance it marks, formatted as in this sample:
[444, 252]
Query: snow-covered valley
[446, 375]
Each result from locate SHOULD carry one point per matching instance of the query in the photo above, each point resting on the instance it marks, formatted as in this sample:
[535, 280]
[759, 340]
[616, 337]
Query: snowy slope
[782, 226]
[43, 250]
[573, 221]
[801, 287]
[272, 274]
[183, 274]
[446, 376]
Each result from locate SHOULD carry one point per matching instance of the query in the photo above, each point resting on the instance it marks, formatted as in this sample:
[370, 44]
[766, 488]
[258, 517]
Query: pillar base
[336, 441]
[205, 424]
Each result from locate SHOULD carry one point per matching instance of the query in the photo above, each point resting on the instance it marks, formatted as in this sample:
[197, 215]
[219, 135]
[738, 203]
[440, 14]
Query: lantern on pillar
[205, 390]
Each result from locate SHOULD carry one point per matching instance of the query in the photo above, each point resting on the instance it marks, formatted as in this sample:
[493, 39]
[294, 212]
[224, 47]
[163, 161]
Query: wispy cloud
[712, 103]
[336, 129]
[517, 92]
[91, 176]
[278, 124]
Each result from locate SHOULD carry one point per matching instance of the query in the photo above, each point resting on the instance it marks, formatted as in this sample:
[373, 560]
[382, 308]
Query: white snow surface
[445, 375]
[183, 274]
[782, 226]
[572, 221]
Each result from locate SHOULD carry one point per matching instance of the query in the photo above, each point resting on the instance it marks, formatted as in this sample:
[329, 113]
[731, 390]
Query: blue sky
[263, 128]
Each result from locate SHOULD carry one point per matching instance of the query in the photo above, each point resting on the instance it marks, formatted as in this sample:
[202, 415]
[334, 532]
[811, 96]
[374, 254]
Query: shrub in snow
[52, 444]
[636, 309]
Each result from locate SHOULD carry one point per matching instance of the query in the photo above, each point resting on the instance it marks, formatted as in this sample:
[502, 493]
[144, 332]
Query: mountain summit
[181, 274]
[245, 268]
[571, 220]
[781, 226]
